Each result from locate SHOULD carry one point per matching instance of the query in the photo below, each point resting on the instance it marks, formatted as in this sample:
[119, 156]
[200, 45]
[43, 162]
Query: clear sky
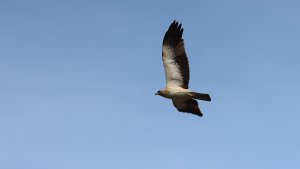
[77, 84]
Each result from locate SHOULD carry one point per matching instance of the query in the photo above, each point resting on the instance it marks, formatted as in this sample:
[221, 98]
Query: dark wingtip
[198, 114]
[174, 33]
[176, 24]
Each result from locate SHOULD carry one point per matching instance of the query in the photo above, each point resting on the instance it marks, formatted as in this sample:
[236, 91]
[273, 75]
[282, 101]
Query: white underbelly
[179, 94]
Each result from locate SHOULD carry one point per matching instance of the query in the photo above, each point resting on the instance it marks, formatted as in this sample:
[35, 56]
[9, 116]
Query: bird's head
[163, 93]
[158, 92]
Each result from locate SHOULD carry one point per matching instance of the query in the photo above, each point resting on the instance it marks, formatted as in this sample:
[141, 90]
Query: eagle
[177, 73]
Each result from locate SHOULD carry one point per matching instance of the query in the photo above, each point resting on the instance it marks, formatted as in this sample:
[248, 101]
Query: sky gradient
[78, 80]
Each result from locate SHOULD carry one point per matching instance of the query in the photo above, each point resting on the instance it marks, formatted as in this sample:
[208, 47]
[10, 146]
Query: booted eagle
[177, 73]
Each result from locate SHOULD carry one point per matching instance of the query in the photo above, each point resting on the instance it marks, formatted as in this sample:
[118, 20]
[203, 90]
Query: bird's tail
[200, 96]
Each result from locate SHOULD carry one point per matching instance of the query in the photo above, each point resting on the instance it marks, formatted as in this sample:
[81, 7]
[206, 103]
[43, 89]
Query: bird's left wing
[174, 58]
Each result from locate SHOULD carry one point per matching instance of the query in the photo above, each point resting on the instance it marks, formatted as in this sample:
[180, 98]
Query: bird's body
[177, 73]
[174, 92]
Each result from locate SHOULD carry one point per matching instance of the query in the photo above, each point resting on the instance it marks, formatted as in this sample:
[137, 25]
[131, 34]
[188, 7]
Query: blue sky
[78, 80]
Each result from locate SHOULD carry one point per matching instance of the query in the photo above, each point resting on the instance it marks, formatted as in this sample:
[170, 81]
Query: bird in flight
[177, 73]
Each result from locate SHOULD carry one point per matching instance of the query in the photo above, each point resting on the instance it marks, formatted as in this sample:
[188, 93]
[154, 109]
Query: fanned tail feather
[200, 96]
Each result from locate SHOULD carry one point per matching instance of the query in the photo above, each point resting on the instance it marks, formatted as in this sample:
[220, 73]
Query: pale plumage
[177, 73]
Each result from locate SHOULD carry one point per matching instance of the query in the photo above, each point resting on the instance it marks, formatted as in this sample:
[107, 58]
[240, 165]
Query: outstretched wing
[175, 61]
[187, 105]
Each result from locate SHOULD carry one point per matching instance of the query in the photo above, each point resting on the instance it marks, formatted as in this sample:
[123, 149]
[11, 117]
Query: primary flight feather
[177, 73]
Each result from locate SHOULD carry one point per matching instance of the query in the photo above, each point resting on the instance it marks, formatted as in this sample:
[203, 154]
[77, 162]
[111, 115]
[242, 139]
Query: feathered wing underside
[174, 57]
[188, 106]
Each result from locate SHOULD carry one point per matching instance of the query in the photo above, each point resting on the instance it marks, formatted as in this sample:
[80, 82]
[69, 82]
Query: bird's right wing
[187, 105]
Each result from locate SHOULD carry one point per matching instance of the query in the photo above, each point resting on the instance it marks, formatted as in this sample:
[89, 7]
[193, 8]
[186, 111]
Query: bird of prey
[177, 73]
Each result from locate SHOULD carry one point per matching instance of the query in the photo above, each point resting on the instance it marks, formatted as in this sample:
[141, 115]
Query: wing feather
[188, 106]
[174, 57]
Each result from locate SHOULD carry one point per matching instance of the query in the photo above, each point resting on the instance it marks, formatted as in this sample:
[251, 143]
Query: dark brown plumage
[190, 106]
[173, 39]
[176, 65]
